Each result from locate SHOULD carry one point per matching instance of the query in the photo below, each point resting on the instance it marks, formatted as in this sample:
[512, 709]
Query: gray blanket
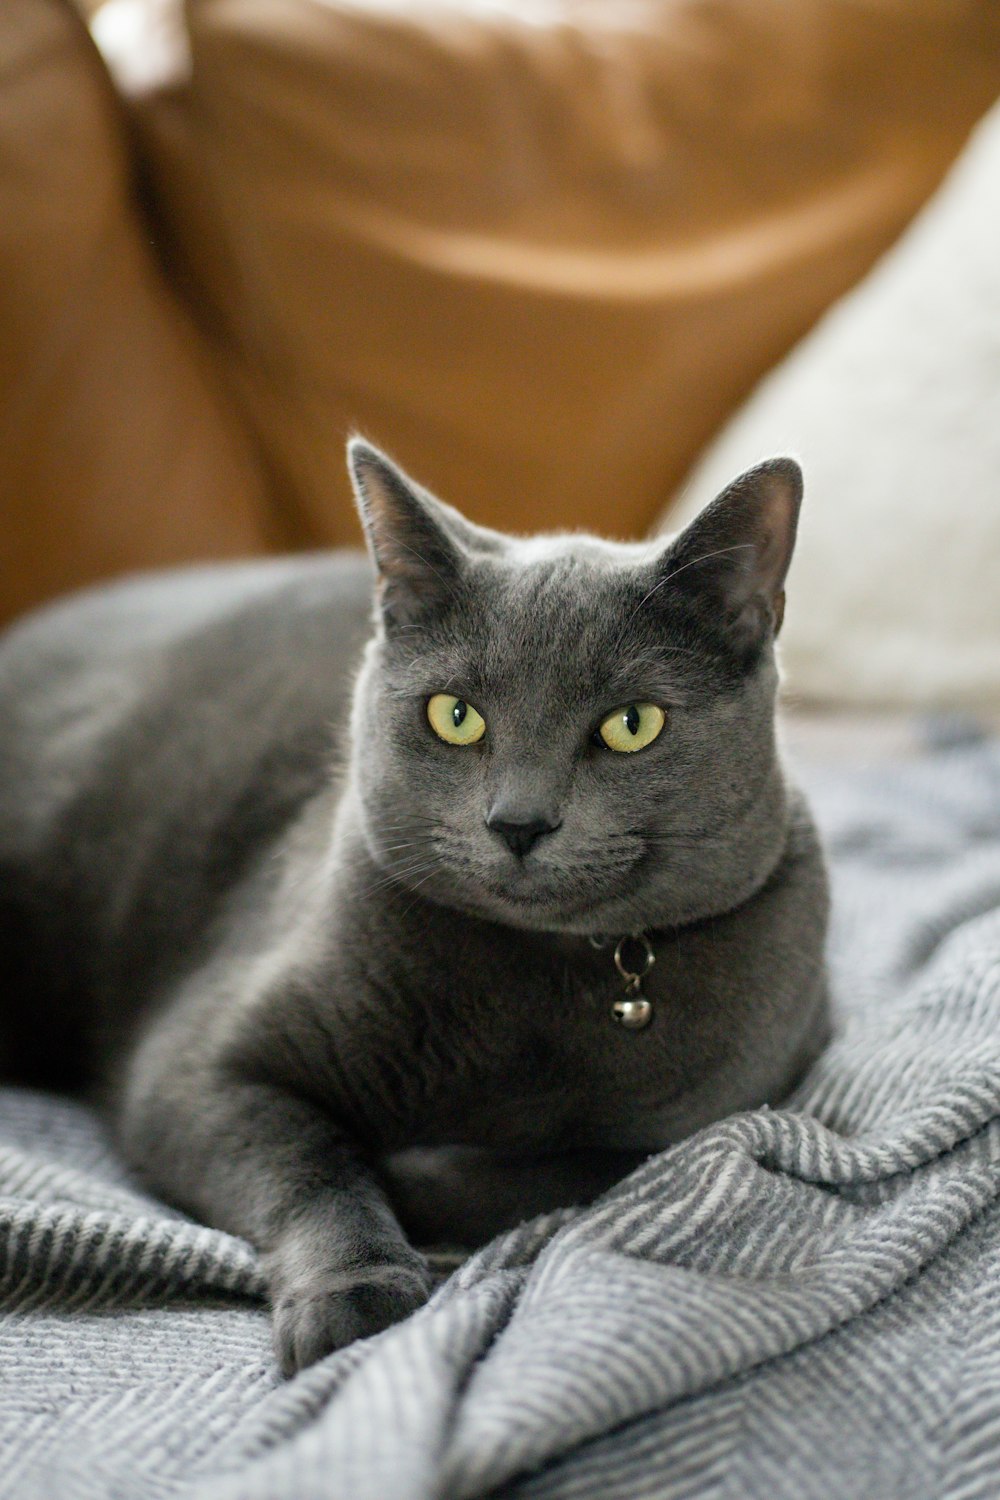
[797, 1302]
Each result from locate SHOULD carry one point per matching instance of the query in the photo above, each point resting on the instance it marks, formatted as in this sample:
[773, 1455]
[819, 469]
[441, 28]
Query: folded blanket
[797, 1302]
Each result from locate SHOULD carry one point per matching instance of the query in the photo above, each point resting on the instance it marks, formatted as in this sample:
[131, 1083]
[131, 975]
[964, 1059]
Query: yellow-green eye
[633, 727]
[454, 720]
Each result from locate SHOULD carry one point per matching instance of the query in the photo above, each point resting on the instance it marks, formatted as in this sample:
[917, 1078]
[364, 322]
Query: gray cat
[414, 929]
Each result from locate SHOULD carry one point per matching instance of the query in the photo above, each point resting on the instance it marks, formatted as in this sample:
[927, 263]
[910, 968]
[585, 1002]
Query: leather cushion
[539, 251]
[117, 447]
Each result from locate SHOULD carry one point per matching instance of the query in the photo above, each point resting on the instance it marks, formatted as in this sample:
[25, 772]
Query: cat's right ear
[417, 560]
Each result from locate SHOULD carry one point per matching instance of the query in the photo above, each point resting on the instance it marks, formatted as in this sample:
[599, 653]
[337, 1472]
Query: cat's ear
[735, 554]
[417, 558]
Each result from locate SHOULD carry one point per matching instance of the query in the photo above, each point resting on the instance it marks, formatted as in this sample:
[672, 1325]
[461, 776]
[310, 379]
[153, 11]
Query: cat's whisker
[414, 887]
[406, 860]
[402, 874]
[398, 825]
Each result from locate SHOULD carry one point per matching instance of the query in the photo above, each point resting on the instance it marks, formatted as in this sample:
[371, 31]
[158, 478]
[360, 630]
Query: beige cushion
[117, 449]
[538, 251]
[893, 405]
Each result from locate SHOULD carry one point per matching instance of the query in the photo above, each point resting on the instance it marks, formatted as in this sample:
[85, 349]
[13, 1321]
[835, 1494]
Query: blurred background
[574, 263]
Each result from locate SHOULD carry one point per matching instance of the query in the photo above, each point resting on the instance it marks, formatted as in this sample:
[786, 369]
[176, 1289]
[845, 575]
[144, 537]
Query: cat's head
[570, 734]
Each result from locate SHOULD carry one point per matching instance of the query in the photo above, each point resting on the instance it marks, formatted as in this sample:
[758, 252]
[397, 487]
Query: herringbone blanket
[797, 1303]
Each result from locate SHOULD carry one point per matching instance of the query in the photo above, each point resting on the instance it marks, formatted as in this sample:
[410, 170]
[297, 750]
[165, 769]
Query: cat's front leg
[262, 1163]
[341, 1271]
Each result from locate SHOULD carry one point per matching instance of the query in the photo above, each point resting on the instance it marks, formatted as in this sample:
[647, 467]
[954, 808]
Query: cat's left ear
[417, 556]
[735, 554]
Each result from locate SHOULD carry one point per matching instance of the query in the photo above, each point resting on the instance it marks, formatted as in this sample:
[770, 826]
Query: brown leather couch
[539, 251]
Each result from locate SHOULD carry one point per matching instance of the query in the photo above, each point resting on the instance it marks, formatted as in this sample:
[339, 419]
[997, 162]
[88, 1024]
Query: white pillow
[892, 405]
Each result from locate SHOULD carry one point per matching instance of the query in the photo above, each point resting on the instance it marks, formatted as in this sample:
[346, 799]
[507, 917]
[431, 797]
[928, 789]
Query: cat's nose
[520, 834]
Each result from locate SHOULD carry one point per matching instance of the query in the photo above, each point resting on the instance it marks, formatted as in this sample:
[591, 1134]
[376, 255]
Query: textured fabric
[539, 250]
[796, 1303]
[891, 404]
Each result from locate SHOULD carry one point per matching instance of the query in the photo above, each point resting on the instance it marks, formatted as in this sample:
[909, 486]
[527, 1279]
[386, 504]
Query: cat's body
[317, 972]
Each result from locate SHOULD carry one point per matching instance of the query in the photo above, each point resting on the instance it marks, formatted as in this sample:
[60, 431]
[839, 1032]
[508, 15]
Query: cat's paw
[337, 1307]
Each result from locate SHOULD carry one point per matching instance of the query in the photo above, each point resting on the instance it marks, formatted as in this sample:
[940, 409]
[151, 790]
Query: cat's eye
[454, 720]
[633, 727]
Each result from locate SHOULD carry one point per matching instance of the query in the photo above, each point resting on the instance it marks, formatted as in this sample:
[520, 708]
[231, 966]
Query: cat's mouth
[537, 901]
[527, 892]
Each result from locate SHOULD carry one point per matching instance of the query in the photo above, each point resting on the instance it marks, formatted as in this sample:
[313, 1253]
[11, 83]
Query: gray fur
[268, 922]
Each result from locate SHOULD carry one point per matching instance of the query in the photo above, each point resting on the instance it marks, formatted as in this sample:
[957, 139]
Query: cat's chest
[509, 1044]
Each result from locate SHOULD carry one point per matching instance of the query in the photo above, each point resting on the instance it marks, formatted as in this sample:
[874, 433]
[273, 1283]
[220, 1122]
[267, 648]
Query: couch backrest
[537, 250]
[540, 250]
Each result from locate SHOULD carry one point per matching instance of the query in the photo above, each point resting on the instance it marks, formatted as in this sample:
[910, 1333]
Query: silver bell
[632, 1014]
